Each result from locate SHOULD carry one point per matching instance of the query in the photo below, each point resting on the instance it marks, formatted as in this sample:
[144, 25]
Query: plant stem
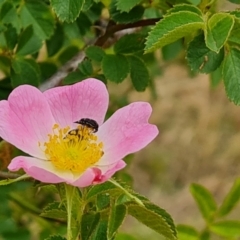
[137, 200]
[69, 197]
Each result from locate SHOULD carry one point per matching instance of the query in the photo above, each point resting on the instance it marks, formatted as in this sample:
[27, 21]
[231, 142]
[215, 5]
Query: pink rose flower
[44, 126]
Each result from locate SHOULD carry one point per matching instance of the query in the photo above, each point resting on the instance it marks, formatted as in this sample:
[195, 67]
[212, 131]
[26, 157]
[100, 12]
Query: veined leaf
[39, 15]
[130, 43]
[235, 1]
[101, 230]
[67, 10]
[171, 28]
[115, 67]
[231, 73]
[8, 14]
[55, 43]
[28, 43]
[204, 200]
[218, 29]
[54, 210]
[154, 217]
[133, 15]
[139, 73]
[55, 237]
[25, 71]
[95, 53]
[184, 7]
[187, 233]
[89, 223]
[116, 218]
[234, 36]
[126, 5]
[229, 229]
[201, 58]
[231, 199]
[101, 188]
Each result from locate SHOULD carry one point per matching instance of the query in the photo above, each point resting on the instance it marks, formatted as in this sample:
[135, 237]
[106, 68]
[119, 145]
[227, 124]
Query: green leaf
[133, 15]
[5, 89]
[184, 7]
[54, 210]
[231, 73]
[216, 77]
[138, 73]
[74, 77]
[11, 37]
[47, 69]
[204, 200]
[24, 71]
[101, 77]
[5, 63]
[218, 29]
[39, 15]
[234, 1]
[226, 228]
[173, 27]
[172, 50]
[115, 67]
[126, 5]
[68, 53]
[101, 231]
[55, 237]
[130, 43]
[95, 53]
[83, 23]
[155, 218]
[187, 232]
[101, 188]
[87, 4]
[231, 199]
[86, 67]
[124, 236]
[235, 34]
[8, 14]
[205, 235]
[55, 43]
[201, 58]
[27, 206]
[116, 218]
[28, 42]
[9, 181]
[89, 223]
[67, 10]
[102, 201]
[235, 13]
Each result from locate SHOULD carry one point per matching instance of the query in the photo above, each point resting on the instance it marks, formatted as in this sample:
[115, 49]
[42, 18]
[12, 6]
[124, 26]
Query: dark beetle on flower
[90, 123]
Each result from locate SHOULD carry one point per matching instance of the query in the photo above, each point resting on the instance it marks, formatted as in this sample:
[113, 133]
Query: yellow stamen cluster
[74, 150]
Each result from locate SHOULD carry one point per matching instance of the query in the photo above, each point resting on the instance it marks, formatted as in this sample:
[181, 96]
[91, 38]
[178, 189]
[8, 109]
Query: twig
[6, 175]
[72, 64]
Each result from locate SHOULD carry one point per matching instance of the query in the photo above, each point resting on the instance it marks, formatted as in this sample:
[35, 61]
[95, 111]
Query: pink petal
[86, 99]
[108, 171]
[87, 178]
[26, 119]
[126, 131]
[44, 171]
[41, 170]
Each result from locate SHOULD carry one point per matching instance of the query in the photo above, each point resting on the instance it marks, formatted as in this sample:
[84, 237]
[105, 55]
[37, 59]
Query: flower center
[74, 150]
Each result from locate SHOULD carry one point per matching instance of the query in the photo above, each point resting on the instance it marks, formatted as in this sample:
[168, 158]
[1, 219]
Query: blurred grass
[198, 142]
